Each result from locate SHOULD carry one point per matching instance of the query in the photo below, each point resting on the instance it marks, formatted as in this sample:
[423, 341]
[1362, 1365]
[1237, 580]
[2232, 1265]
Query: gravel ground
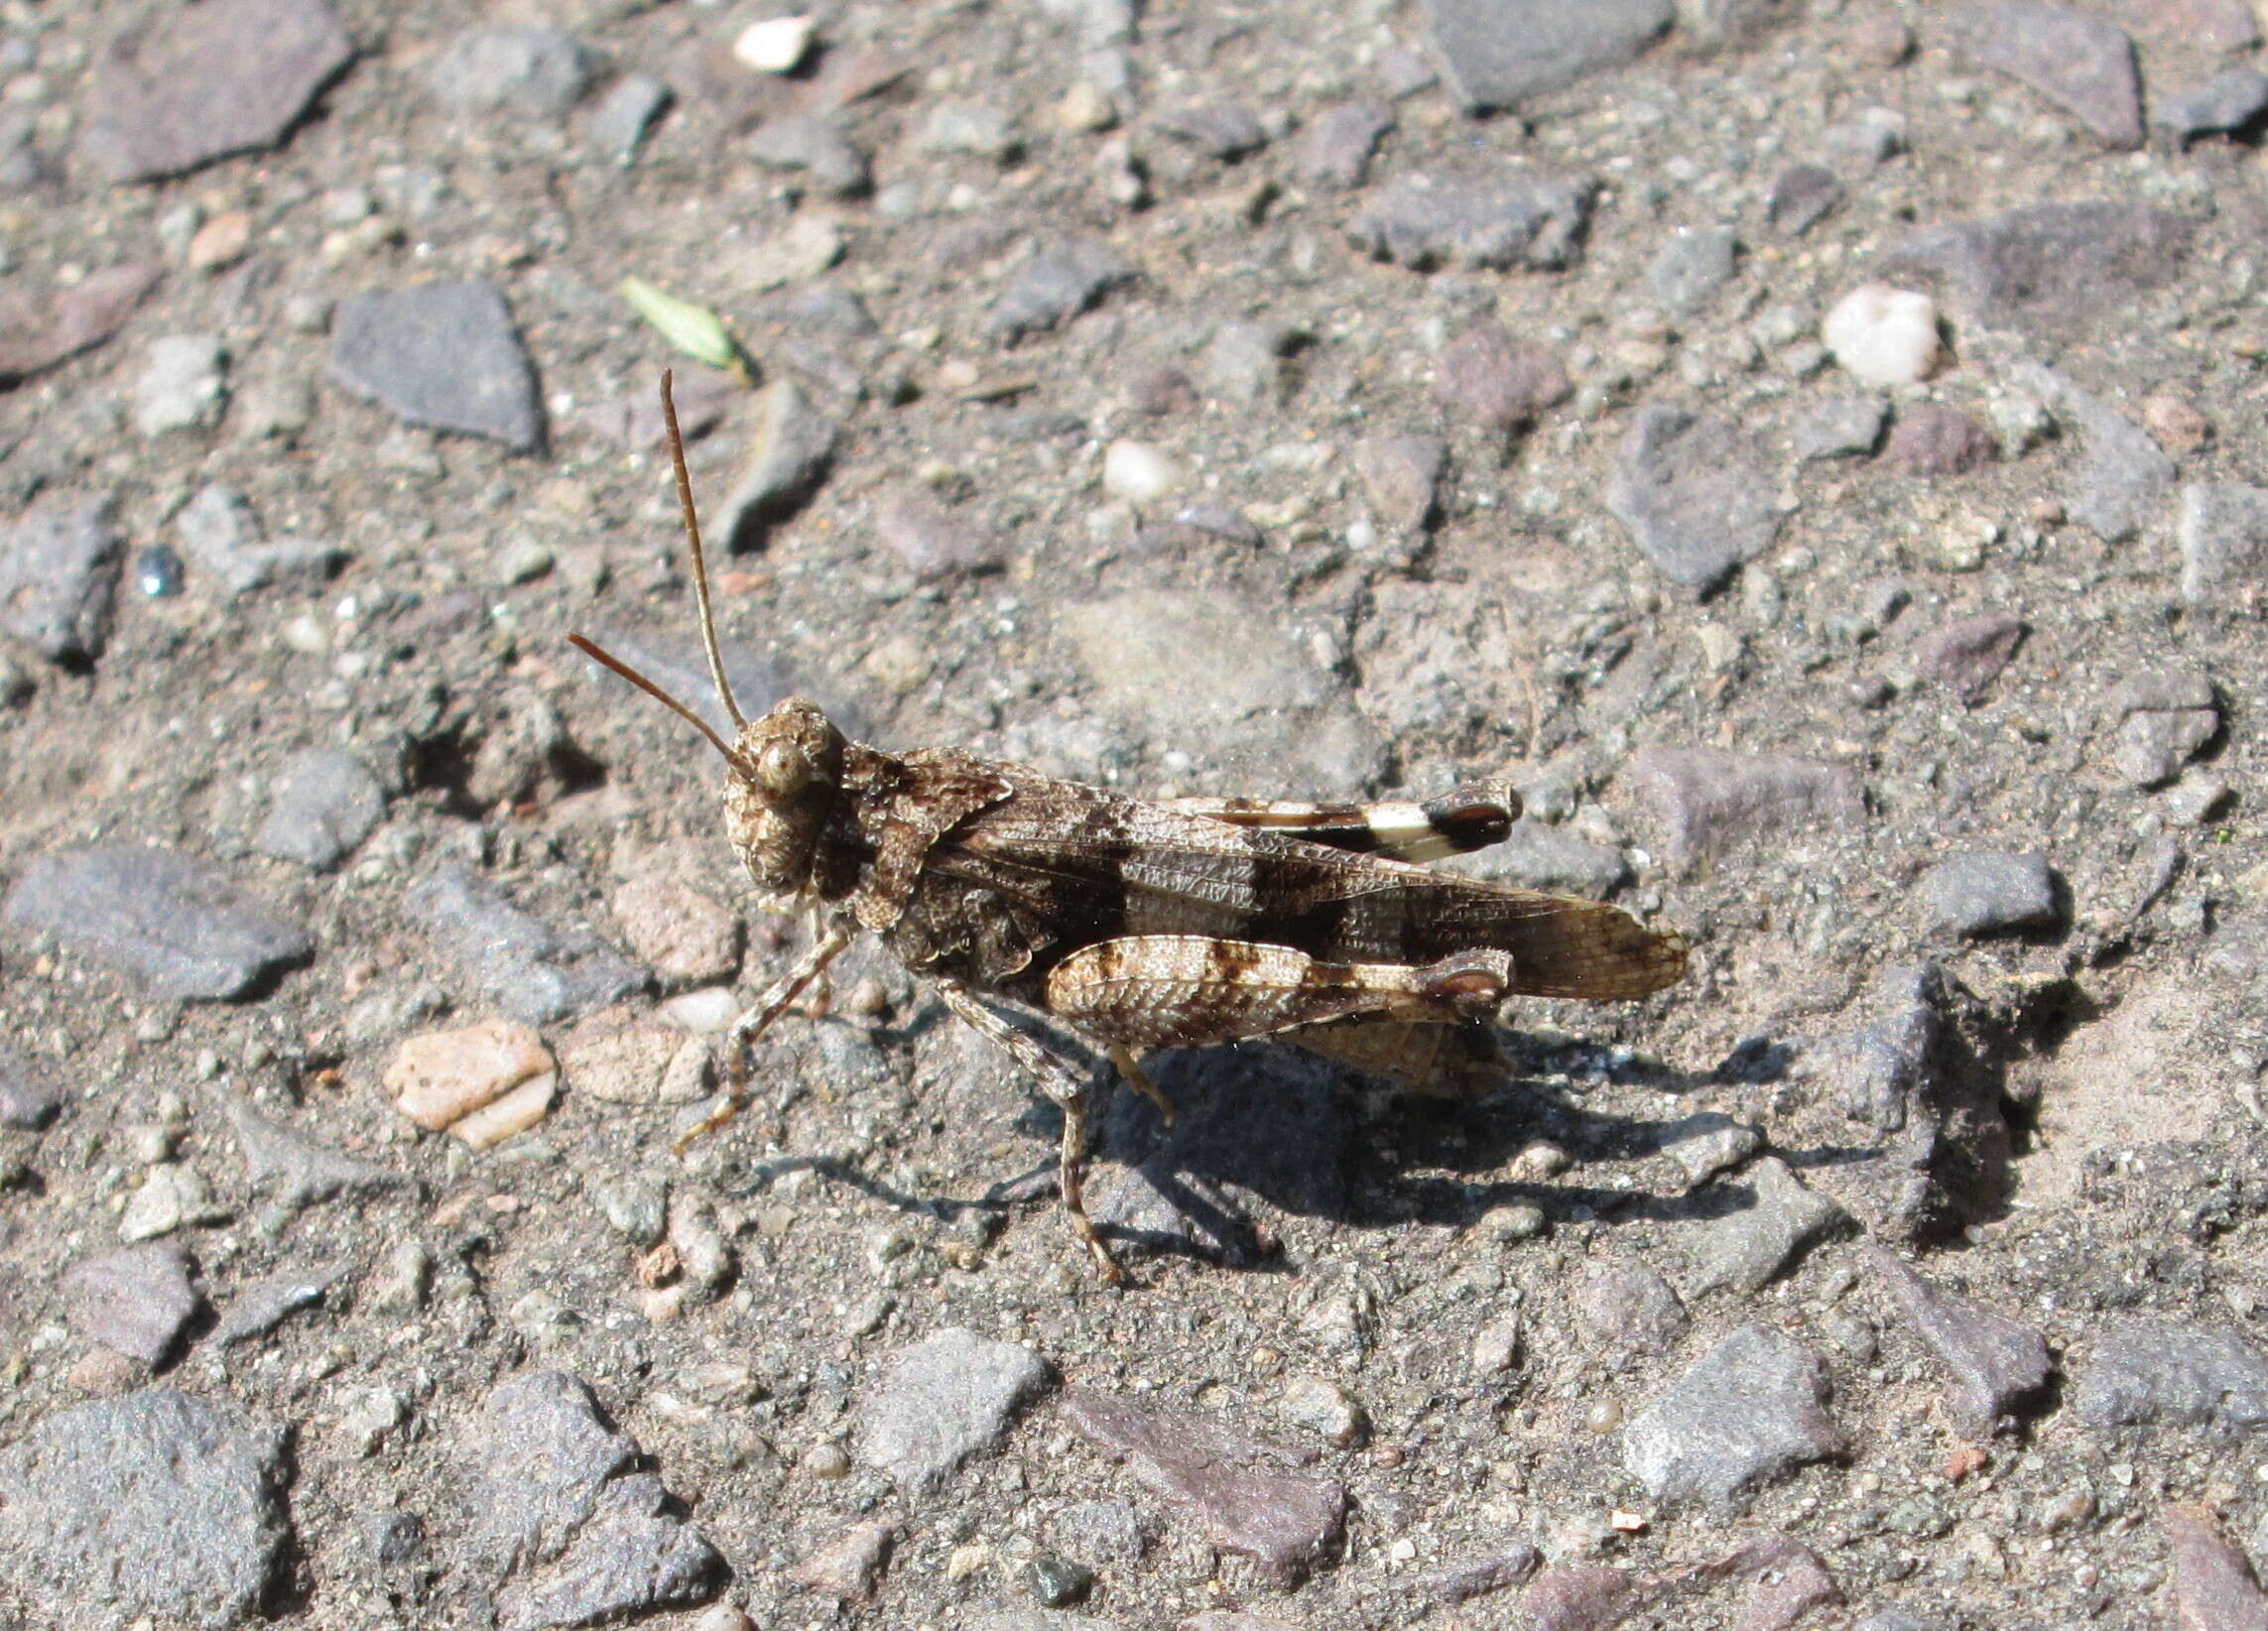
[1810, 450]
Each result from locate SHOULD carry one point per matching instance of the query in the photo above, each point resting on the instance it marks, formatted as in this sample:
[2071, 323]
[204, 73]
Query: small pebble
[1519, 1221]
[1140, 472]
[483, 1082]
[1497, 1348]
[1057, 1581]
[1318, 1403]
[775, 45]
[220, 242]
[158, 571]
[1882, 336]
[1086, 107]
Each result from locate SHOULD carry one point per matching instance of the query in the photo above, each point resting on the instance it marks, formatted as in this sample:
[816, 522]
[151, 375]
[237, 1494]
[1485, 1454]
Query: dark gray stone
[59, 575]
[810, 144]
[1751, 1246]
[1335, 148]
[1690, 493]
[1500, 52]
[539, 73]
[633, 1554]
[1710, 1142]
[1998, 1365]
[137, 1302]
[1844, 427]
[788, 454]
[180, 928]
[222, 538]
[1056, 286]
[2083, 63]
[1801, 196]
[2146, 1371]
[563, 1512]
[2229, 101]
[1746, 1412]
[1991, 892]
[1492, 219]
[209, 80]
[1876, 1072]
[2224, 535]
[2125, 479]
[2050, 269]
[1220, 130]
[258, 1309]
[326, 802]
[444, 355]
[296, 1172]
[1243, 1491]
[1911, 1072]
[2160, 718]
[156, 1503]
[529, 972]
[1687, 272]
[618, 125]
[1402, 476]
[28, 1100]
[945, 1399]
[1705, 800]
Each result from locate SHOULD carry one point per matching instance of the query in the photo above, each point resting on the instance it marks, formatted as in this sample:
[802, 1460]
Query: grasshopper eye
[782, 767]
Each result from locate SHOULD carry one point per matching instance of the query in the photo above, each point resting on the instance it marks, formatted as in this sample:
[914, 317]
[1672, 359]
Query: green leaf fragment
[694, 329]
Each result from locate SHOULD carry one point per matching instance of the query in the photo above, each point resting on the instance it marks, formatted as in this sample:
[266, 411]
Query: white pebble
[705, 1011]
[1139, 472]
[777, 44]
[1883, 335]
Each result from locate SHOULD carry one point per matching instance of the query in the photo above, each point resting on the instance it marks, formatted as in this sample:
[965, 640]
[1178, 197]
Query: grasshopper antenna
[606, 659]
[701, 560]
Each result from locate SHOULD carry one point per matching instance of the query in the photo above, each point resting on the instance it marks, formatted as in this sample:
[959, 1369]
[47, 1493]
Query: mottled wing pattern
[1089, 866]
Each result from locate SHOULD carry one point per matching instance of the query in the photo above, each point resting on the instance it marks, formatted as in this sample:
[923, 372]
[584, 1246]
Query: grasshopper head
[784, 789]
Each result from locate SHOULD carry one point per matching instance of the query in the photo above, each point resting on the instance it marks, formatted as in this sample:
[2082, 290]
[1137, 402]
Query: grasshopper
[1137, 923]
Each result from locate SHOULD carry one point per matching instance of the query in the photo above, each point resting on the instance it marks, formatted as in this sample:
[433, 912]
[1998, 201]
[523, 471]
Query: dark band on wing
[1462, 820]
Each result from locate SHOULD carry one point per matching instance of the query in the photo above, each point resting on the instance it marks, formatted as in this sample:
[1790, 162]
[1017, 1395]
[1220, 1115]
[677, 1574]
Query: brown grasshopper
[1140, 925]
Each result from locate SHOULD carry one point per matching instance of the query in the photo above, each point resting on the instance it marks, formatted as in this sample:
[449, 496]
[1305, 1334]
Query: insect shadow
[1268, 1129]
[1308, 1137]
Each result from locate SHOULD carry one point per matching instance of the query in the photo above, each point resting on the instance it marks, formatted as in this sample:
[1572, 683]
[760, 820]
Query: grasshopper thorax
[782, 794]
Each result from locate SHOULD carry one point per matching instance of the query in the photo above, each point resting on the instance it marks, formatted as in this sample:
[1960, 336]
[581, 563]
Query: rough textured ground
[1214, 397]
